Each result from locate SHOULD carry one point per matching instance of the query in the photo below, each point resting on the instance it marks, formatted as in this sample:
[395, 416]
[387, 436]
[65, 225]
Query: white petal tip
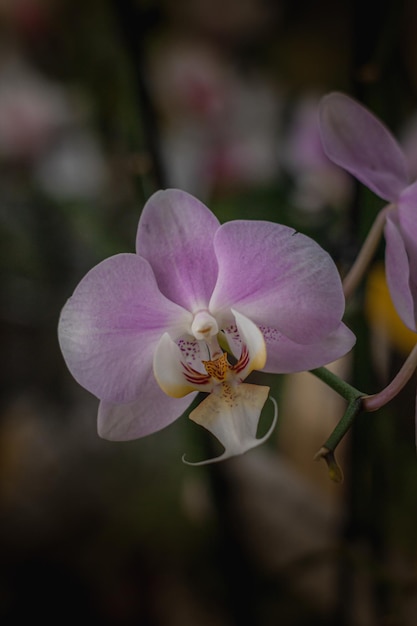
[248, 444]
[216, 459]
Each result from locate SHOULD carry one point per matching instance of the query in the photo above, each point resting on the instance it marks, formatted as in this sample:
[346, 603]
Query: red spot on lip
[194, 377]
[243, 361]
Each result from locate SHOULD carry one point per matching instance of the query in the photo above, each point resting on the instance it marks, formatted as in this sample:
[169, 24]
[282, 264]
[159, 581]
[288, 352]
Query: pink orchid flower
[143, 332]
[357, 141]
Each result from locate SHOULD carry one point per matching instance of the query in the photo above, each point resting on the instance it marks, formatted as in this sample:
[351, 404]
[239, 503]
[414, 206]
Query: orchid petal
[175, 235]
[407, 219]
[276, 276]
[286, 356]
[109, 328]
[234, 423]
[249, 335]
[397, 266]
[153, 411]
[356, 140]
[171, 371]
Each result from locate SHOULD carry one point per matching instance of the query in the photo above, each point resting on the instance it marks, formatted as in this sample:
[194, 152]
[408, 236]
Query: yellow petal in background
[381, 313]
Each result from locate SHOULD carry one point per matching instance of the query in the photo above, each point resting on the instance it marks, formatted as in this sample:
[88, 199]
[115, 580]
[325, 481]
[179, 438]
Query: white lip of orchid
[232, 409]
[177, 376]
[234, 423]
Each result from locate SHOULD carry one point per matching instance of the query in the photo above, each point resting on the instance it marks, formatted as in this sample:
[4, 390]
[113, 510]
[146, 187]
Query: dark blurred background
[101, 103]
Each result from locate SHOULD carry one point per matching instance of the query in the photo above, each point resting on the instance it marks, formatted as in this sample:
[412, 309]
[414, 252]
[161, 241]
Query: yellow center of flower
[218, 368]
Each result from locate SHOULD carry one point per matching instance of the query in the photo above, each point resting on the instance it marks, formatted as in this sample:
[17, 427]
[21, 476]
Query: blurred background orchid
[103, 102]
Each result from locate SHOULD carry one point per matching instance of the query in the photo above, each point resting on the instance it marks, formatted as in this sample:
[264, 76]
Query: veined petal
[234, 421]
[247, 334]
[151, 412]
[286, 356]
[397, 266]
[355, 139]
[174, 376]
[109, 328]
[277, 277]
[175, 235]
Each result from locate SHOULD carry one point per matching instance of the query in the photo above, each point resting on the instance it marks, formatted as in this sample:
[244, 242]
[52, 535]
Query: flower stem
[340, 386]
[357, 402]
[378, 400]
[354, 407]
[326, 452]
[366, 253]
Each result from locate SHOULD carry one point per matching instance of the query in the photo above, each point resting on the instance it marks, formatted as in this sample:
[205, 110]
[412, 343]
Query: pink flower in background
[32, 110]
[144, 332]
[219, 126]
[408, 142]
[357, 141]
[46, 128]
[318, 182]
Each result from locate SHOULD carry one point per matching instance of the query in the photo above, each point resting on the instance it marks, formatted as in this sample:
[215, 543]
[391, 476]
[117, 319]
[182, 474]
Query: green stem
[354, 398]
[326, 452]
[357, 402]
[353, 409]
[340, 386]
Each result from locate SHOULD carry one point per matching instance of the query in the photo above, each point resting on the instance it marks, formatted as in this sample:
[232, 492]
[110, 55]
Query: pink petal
[286, 356]
[407, 219]
[276, 277]
[153, 411]
[109, 328]
[175, 235]
[397, 267]
[356, 140]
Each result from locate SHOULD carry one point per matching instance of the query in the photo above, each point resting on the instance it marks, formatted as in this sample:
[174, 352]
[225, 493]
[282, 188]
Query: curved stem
[357, 402]
[378, 400]
[366, 253]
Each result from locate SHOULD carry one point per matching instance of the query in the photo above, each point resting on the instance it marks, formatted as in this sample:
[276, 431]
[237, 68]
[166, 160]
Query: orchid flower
[357, 141]
[143, 332]
[318, 182]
